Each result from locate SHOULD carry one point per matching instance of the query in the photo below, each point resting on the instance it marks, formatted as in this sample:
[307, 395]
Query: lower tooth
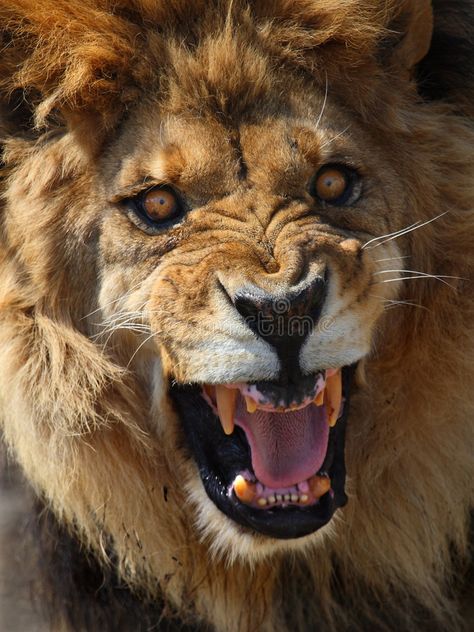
[262, 502]
[304, 498]
[294, 498]
[271, 499]
[319, 485]
[244, 490]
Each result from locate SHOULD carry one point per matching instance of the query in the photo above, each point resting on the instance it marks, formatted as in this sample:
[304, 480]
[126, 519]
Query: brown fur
[208, 96]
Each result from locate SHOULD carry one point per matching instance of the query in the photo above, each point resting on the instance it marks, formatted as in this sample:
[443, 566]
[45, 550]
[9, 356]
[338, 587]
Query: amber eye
[335, 184]
[160, 204]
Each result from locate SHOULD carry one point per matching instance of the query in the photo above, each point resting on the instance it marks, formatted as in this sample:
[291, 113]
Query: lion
[237, 333]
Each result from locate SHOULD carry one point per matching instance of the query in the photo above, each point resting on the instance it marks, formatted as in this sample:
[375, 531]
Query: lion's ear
[410, 36]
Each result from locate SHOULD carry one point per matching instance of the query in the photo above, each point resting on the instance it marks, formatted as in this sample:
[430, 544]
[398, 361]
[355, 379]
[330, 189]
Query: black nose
[284, 321]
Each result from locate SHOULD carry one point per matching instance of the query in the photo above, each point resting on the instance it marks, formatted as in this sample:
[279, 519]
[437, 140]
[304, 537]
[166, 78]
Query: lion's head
[236, 257]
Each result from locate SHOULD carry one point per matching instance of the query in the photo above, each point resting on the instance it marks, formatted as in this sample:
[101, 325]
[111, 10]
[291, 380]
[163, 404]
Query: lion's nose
[283, 320]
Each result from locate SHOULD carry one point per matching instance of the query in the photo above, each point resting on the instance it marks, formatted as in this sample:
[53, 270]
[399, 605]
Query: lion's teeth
[333, 397]
[226, 399]
[251, 404]
[319, 399]
[245, 490]
[319, 485]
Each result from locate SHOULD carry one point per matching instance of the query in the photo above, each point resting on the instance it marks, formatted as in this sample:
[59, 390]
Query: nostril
[313, 297]
[251, 306]
[292, 315]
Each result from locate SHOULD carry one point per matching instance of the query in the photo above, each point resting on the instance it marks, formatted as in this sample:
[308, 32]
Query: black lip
[220, 458]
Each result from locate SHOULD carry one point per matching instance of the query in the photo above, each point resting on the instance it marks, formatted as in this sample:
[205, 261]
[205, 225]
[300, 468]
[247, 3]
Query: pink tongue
[286, 448]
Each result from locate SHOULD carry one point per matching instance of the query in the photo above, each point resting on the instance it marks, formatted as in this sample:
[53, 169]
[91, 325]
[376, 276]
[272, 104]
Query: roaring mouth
[271, 456]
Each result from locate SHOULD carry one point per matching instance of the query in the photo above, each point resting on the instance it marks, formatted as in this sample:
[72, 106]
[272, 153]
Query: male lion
[236, 338]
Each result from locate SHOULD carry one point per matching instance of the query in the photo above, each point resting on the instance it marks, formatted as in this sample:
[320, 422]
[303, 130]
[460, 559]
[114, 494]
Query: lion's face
[247, 256]
[203, 238]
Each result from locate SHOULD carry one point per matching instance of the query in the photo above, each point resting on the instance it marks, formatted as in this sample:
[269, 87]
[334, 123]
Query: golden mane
[80, 422]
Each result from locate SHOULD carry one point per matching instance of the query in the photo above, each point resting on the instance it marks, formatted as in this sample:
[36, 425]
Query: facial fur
[236, 109]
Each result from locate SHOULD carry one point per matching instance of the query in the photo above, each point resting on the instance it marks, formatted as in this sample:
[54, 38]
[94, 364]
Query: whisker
[140, 346]
[333, 138]
[395, 302]
[426, 274]
[392, 258]
[113, 330]
[116, 318]
[402, 303]
[120, 298]
[412, 278]
[324, 102]
[400, 233]
[394, 235]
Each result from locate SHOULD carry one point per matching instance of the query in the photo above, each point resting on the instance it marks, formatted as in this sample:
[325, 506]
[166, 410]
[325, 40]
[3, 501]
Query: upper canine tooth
[226, 399]
[244, 490]
[333, 397]
[251, 404]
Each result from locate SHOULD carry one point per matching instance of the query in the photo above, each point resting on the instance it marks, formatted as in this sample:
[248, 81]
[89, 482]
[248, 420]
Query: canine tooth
[304, 498]
[262, 502]
[271, 499]
[244, 490]
[319, 485]
[226, 399]
[334, 397]
[251, 404]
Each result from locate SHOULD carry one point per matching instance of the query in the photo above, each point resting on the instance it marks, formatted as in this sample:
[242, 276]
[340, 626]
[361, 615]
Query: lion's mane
[78, 422]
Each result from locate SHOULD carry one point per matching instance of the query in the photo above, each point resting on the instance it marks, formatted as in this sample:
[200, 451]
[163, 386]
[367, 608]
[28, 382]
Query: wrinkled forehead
[210, 156]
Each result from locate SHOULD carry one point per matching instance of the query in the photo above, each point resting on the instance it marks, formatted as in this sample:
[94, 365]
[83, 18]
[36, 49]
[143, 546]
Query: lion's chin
[270, 457]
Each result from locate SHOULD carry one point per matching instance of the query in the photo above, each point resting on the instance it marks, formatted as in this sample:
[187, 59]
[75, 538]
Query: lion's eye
[155, 209]
[336, 184]
[160, 204]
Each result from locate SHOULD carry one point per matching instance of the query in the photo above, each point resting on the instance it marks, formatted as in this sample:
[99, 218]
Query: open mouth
[271, 456]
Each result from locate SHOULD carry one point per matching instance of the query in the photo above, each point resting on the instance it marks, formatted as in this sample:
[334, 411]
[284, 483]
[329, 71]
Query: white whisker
[392, 258]
[396, 302]
[120, 298]
[324, 103]
[333, 138]
[402, 303]
[140, 346]
[418, 276]
[399, 233]
[426, 274]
